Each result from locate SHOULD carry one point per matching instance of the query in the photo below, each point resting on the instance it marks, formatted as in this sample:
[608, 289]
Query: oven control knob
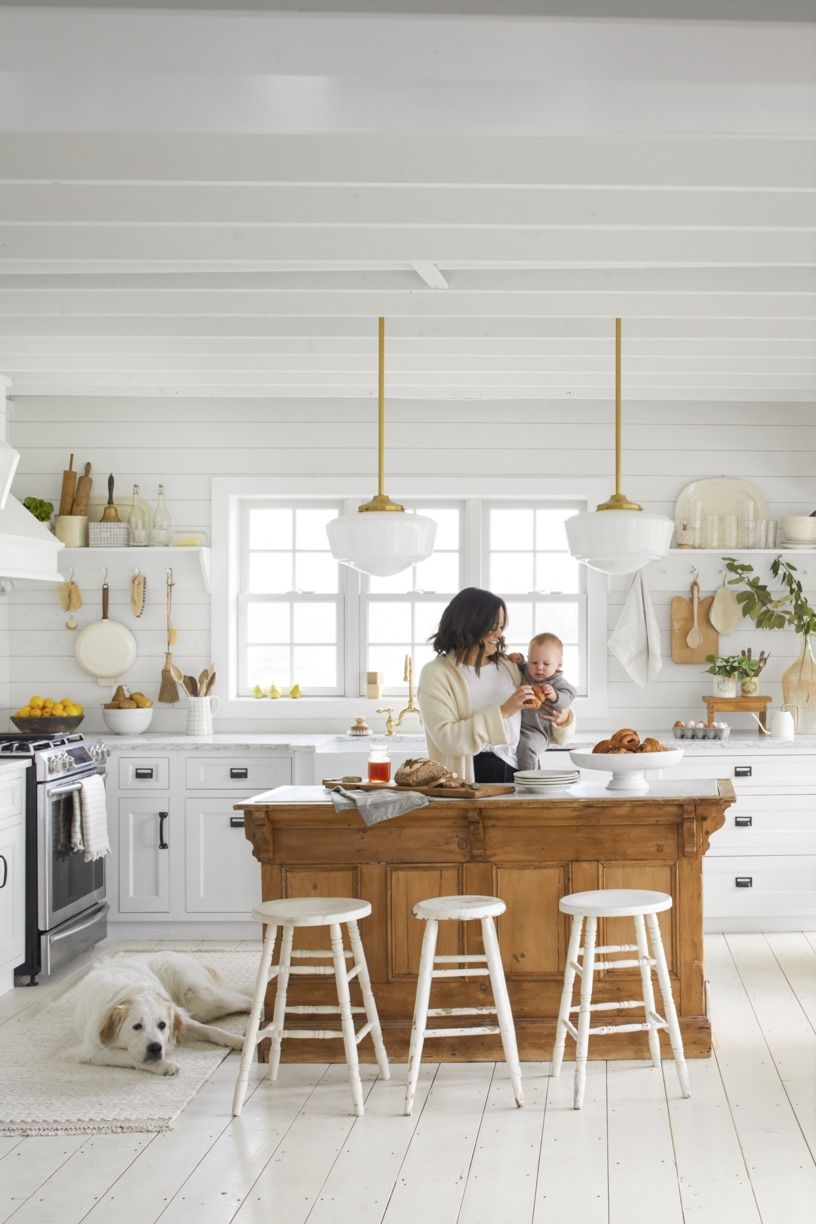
[65, 761]
[52, 764]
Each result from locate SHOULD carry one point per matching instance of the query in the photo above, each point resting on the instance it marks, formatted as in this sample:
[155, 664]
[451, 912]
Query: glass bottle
[138, 521]
[160, 534]
[799, 689]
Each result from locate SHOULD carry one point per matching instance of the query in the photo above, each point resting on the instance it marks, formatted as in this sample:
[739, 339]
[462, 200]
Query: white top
[492, 687]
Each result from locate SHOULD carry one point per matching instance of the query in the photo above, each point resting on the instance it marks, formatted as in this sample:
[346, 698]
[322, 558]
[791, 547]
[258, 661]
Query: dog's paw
[165, 1067]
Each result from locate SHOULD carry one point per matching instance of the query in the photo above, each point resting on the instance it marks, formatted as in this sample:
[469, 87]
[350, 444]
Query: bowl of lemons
[127, 713]
[48, 715]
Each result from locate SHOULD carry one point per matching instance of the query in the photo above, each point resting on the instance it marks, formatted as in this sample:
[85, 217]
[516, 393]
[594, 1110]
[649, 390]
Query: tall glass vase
[799, 689]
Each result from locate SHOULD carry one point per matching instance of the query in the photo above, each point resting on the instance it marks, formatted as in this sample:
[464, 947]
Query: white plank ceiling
[197, 202]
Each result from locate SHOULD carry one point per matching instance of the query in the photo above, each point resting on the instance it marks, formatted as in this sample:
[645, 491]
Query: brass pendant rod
[618, 500]
[381, 407]
[381, 501]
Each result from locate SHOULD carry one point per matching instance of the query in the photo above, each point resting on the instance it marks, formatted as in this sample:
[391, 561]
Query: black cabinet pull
[143, 772]
[744, 881]
[235, 772]
[5, 870]
[743, 822]
[742, 771]
[163, 845]
[236, 822]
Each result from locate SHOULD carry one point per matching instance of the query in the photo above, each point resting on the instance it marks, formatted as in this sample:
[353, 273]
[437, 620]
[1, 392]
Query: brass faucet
[411, 707]
[390, 725]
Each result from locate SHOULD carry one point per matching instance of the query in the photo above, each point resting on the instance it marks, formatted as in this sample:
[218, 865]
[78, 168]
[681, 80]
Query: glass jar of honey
[379, 764]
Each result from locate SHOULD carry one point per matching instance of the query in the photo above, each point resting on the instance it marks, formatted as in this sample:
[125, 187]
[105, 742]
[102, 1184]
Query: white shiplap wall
[183, 443]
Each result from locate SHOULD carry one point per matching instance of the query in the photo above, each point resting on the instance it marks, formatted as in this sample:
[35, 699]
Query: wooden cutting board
[681, 621]
[484, 790]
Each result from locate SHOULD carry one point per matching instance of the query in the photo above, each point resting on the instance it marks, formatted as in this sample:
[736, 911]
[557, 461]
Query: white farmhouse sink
[341, 755]
[362, 743]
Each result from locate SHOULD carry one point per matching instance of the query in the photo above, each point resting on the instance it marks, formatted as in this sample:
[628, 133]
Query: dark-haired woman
[471, 696]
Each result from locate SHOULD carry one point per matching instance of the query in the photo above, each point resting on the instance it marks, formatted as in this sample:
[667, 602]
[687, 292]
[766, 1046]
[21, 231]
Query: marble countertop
[739, 742]
[683, 788]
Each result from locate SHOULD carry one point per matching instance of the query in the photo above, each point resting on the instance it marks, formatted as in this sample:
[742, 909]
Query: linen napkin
[635, 641]
[89, 826]
[376, 806]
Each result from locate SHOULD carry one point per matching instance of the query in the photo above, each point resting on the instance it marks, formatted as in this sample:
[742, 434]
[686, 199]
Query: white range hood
[27, 547]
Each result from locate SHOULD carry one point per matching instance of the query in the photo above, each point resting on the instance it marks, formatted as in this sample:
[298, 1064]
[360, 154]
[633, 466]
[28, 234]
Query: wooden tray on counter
[483, 790]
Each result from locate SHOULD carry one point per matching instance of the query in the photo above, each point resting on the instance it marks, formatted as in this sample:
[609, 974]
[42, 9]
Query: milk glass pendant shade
[381, 539]
[618, 537]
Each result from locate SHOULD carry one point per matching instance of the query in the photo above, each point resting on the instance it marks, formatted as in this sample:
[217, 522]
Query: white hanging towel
[89, 827]
[635, 641]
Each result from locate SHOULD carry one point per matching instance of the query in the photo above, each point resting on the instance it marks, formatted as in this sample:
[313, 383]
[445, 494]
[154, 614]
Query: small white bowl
[799, 528]
[127, 722]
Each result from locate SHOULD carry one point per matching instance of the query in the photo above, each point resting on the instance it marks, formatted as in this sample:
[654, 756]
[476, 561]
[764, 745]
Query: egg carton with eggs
[700, 730]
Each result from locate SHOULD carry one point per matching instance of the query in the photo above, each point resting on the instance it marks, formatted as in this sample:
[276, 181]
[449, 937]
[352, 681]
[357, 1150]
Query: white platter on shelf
[719, 495]
[628, 771]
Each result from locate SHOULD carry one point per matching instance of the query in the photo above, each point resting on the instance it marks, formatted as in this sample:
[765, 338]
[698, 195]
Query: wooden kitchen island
[528, 850]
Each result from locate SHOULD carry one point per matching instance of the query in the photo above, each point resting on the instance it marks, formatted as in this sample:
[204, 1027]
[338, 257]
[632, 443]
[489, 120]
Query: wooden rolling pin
[83, 492]
[69, 483]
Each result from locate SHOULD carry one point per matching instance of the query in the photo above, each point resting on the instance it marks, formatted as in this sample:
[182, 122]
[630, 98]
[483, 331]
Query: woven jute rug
[44, 1090]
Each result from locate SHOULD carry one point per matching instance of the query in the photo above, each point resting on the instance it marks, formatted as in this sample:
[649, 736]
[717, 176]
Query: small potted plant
[40, 508]
[726, 670]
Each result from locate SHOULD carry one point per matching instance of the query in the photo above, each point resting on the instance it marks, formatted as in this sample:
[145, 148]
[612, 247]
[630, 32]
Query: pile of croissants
[626, 741]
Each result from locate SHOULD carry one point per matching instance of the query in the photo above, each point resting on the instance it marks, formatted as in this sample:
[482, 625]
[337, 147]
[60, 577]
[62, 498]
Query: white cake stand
[628, 771]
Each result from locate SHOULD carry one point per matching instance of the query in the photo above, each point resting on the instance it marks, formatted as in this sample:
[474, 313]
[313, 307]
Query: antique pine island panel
[529, 851]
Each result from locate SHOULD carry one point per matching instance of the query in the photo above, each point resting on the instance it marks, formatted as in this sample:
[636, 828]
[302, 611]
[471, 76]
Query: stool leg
[648, 989]
[503, 1011]
[584, 1013]
[253, 1021]
[368, 999]
[668, 1004]
[279, 1015]
[423, 994]
[566, 994]
[346, 1018]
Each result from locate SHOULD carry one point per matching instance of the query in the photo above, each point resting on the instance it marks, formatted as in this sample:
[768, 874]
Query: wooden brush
[168, 691]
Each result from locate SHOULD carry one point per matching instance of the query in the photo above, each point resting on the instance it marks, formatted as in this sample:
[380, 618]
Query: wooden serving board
[681, 621]
[484, 790]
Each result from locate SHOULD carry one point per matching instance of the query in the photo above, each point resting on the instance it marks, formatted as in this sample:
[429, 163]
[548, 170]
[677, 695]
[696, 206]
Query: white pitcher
[199, 715]
[782, 725]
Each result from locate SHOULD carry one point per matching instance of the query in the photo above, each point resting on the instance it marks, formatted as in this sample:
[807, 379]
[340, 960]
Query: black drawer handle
[236, 822]
[743, 822]
[742, 771]
[744, 881]
[5, 870]
[143, 772]
[163, 845]
[243, 772]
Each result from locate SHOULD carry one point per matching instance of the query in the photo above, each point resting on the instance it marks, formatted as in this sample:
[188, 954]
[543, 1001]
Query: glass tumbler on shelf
[711, 531]
[379, 764]
[729, 534]
[747, 530]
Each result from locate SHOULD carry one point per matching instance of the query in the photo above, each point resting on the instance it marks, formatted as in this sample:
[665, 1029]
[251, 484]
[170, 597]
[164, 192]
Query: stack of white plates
[543, 780]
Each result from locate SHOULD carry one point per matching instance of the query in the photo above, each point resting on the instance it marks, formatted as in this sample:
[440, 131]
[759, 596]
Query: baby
[542, 667]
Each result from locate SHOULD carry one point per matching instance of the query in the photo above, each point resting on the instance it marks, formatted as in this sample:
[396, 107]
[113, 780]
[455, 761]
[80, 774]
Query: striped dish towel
[89, 827]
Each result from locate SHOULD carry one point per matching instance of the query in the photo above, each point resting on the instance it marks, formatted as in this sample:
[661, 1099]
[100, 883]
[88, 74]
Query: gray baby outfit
[536, 731]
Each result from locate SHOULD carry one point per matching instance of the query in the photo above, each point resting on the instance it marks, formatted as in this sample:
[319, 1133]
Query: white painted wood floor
[740, 1150]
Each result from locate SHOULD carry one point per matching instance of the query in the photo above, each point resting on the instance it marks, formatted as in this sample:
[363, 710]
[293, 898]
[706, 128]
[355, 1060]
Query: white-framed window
[285, 612]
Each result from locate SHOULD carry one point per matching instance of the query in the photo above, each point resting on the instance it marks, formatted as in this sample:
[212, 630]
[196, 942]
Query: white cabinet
[12, 874]
[760, 871]
[145, 836]
[179, 845]
[222, 875]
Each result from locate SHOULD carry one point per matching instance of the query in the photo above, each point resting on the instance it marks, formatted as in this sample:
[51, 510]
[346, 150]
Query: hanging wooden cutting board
[682, 618]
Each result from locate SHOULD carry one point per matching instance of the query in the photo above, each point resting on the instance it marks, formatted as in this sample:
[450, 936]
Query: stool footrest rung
[317, 953]
[627, 1028]
[460, 973]
[455, 960]
[475, 1030]
[461, 1011]
[613, 948]
[629, 963]
[612, 1006]
[363, 1032]
[317, 1009]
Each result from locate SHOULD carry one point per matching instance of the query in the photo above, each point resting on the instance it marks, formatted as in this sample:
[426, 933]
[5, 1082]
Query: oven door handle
[74, 929]
[56, 792]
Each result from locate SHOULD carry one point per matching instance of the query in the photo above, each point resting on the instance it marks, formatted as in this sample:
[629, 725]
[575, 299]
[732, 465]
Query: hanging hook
[170, 581]
[71, 575]
[105, 574]
[137, 572]
[694, 573]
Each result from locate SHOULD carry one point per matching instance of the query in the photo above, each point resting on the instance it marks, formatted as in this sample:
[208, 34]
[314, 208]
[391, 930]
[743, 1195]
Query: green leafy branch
[790, 609]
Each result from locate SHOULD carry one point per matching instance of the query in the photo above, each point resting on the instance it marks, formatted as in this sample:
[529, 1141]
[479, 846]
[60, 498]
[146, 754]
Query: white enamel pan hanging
[105, 648]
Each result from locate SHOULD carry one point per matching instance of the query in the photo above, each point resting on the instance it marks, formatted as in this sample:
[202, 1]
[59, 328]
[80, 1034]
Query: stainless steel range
[66, 910]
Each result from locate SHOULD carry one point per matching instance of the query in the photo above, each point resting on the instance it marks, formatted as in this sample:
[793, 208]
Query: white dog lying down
[131, 1009]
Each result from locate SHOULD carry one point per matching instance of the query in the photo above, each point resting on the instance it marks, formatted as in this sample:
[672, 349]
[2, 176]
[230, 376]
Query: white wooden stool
[643, 907]
[289, 915]
[461, 909]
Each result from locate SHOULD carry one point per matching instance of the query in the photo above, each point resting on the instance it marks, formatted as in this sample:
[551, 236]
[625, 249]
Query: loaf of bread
[421, 771]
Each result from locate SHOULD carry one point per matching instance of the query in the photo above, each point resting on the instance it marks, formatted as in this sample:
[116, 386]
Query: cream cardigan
[453, 734]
